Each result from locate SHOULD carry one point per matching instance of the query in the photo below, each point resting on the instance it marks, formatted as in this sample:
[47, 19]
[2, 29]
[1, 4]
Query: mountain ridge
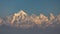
[22, 19]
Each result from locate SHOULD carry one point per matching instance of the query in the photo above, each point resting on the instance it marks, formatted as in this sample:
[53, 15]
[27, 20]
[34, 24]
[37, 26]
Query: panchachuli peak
[22, 12]
[20, 15]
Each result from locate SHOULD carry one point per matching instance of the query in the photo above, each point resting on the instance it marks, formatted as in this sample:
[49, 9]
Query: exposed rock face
[1, 21]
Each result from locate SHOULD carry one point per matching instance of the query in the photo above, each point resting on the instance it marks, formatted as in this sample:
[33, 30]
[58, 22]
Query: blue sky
[8, 7]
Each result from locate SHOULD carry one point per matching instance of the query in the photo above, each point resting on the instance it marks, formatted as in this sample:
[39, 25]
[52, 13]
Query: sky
[8, 7]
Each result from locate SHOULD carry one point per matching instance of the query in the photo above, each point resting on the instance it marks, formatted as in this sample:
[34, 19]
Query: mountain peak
[20, 15]
[22, 12]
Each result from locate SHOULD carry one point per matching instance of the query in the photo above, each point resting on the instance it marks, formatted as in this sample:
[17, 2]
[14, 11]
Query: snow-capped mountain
[24, 20]
[20, 19]
[17, 16]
